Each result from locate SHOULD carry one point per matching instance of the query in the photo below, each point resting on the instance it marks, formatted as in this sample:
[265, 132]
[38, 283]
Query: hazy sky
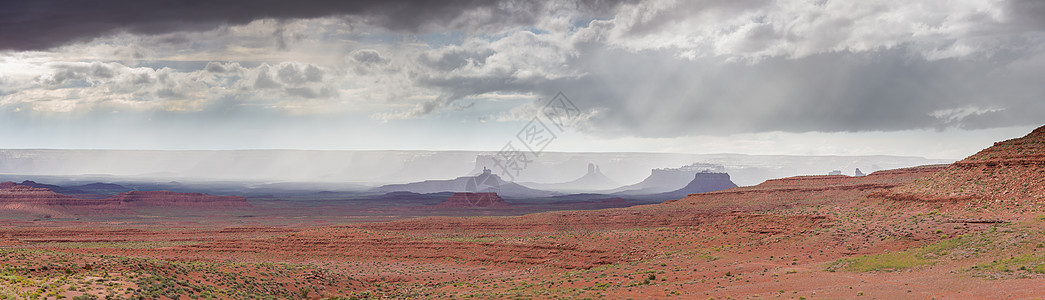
[939, 79]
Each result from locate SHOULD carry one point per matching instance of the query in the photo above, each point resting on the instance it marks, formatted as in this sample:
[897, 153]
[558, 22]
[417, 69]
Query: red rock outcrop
[1010, 171]
[15, 193]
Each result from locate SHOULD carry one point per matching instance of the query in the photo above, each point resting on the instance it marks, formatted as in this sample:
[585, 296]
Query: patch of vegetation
[1027, 262]
[879, 262]
[893, 261]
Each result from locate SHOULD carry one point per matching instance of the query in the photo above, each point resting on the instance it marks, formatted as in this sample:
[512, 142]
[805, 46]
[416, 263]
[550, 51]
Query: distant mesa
[1010, 172]
[77, 190]
[474, 200]
[488, 181]
[101, 188]
[11, 192]
[835, 172]
[593, 180]
[53, 188]
[859, 173]
[702, 182]
[806, 190]
[667, 179]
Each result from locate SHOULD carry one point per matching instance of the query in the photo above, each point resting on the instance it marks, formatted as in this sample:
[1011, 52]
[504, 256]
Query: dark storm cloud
[972, 70]
[881, 91]
[655, 69]
[1029, 13]
[653, 94]
[41, 24]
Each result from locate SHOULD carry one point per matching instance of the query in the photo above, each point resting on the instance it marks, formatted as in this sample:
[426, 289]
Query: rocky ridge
[1008, 171]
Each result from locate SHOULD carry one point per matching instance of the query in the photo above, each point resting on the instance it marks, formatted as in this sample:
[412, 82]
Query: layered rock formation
[485, 182]
[667, 180]
[708, 182]
[14, 195]
[594, 180]
[702, 182]
[11, 192]
[1012, 170]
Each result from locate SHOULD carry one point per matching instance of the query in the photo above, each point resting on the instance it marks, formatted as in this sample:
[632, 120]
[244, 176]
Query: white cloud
[953, 115]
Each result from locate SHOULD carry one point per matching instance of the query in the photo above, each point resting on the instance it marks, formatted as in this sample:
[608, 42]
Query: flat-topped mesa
[11, 192]
[1011, 170]
[180, 200]
[709, 182]
[668, 180]
[703, 182]
[479, 200]
[805, 190]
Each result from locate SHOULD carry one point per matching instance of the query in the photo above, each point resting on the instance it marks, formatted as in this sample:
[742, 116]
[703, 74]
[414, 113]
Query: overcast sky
[939, 79]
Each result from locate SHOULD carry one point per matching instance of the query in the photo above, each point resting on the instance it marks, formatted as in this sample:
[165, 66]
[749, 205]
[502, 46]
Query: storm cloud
[636, 68]
[32, 25]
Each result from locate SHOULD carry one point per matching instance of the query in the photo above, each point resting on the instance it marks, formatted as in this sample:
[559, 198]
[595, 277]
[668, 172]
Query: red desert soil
[1008, 173]
[968, 230]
